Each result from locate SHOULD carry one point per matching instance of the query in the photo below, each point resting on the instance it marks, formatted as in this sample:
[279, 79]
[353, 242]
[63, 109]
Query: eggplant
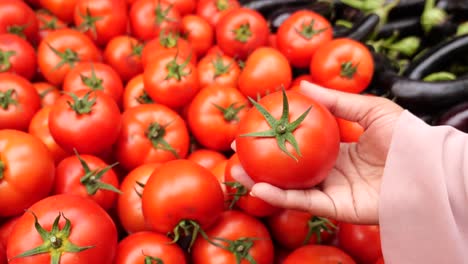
[267, 7]
[406, 8]
[362, 29]
[456, 116]
[405, 27]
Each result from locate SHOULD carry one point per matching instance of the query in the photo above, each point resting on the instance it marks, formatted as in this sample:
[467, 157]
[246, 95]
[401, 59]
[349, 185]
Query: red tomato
[48, 23]
[66, 221]
[362, 242]
[198, 32]
[26, 171]
[266, 70]
[3, 259]
[343, 64]
[301, 34]
[148, 247]
[206, 158]
[349, 131]
[48, 93]
[135, 94]
[19, 101]
[238, 238]
[18, 18]
[5, 230]
[61, 50]
[129, 208]
[214, 50]
[214, 10]
[380, 261]
[240, 197]
[123, 53]
[151, 133]
[18, 56]
[86, 121]
[218, 171]
[280, 255]
[318, 254]
[304, 77]
[272, 41]
[185, 7]
[241, 31]
[288, 167]
[63, 9]
[219, 70]
[101, 20]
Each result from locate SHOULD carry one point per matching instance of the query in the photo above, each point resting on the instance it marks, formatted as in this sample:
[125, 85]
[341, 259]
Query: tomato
[240, 238]
[266, 70]
[18, 18]
[380, 261]
[181, 194]
[135, 94]
[218, 171]
[94, 76]
[240, 197]
[63, 9]
[3, 259]
[272, 41]
[343, 64]
[241, 31]
[319, 254]
[185, 7]
[86, 121]
[171, 80]
[148, 247]
[101, 20]
[150, 17]
[65, 221]
[48, 93]
[39, 127]
[280, 255]
[123, 53]
[5, 230]
[206, 157]
[218, 69]
[301, 34]
[61, 50]
[214, 115]
[304, 77]
[48, 23]
[198, 32]
[362, 242]
[292, 228]
[18, 56]
[349, 131]
[214, 50]
[214, 10]
[26, 171]
[19, 101]
[129, 208]
[151, 133]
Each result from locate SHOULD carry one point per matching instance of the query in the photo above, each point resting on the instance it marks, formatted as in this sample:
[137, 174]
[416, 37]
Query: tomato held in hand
[349, 131]
[362, 242]
[288, 140]
[18, 56]
[380, 261]
[318, 254]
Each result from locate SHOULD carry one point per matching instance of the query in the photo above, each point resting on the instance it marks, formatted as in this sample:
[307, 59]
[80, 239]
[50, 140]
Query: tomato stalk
[177, 71]
[316, 226]
[242, 33]
[2, 169]
[89, 23]
[5, 63]
[155, 133]
[240, 248]
[219, 66]
[231, 112]
[168, 40]
[161, 14]
[93, 82]
[281, 129]
[144, 98]
[240, 191]
[55, 242]
[68, 56]
[81, 105]
[49, 24]
[17, 30]
[308, 31]
[45, 92]
[348, 69]
[6, 99]
[152, 260]
[188, 228]
[222, 5]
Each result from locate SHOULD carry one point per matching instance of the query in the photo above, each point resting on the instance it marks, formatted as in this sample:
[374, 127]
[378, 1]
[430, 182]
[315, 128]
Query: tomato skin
[3, 259]
[318, 254]
[17, 14]
[185, 7]
[233, 20]
[181, 190]
[297, 48]
[23, 60]
[326, 66]
[135, 94]
[89, 133]
[234, 225]
[380, 261]
[269, 164]
[84, 215]
[134, 248]
[123, 53]
[362, 242]
[217, 69]
[48, 93]
[48, 23]
[155, 48]
[63, 9]
[200, 34]
[349, 131]
[206, 158]
[272, 41]
[266, 70]
[134, 148]
[218, 171]
[5, 230]
[18, 115]
[214, 10]
[30, 171]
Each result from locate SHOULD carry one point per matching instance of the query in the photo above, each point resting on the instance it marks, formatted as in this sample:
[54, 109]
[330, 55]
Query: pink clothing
[424, 198]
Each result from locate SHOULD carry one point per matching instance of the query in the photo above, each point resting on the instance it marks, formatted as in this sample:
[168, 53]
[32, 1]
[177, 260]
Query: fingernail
[252, 194]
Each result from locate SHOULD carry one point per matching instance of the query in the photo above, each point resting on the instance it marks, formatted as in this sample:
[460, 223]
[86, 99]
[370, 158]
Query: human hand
[351, 191]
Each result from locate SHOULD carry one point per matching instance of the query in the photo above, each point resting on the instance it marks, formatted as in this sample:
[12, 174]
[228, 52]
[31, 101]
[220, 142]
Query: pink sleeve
[424, 199]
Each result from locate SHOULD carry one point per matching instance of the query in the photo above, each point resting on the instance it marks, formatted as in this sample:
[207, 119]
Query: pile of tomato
[117, 120]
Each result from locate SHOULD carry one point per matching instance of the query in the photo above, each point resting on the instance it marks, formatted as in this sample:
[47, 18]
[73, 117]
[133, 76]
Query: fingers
[239, 174]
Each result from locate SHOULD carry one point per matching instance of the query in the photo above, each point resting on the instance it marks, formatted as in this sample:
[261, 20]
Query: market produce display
[118, 117]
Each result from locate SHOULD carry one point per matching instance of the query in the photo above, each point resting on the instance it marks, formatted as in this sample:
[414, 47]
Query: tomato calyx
[2, 169]
[68, 56]
[219, 66]
[93, 82]
[239, 248]
[161, 14]
[316, 226]
[231, 112]
[242, 33]
[89, 22]
[142, 185]
[144, 98]
[188, 228]
[281, 129]
[51, 24]
[348, 70]
[5, 63]
[137, 49]
[168, 40]
[17, 30]
[6, 99]
[308, 31]
[155, 133]
[83, 105]
[152, 260]
[177, 71]
[222, 5]
[240, 191]
[55, 241]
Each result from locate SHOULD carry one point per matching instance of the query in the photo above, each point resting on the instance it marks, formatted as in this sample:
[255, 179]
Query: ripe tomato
[19, 101]
[123, 53]
[349, 131]
[318, 254]
[171, 80]
[149, 17]
[272, 41]
[304, 77]
[94, 76]
[3, 259]
[148, 247]
[101, 20]
[26, 171]
[86, 121]
[135, 94]
[181, 194]
[48, 23]
[218, 171]
[18, 18]
[61, 50]
[67, 222]
[63, 9]
[129, 208]
[239, 238]
[301, 34]
[343, 64]
[5, 230]
[206, 158]
[214, 10]
[185, 7]
[48, 93]
[362, 242]
[199, 33]
[274, 158]
[266, 70]
[218, 69]
[240, 197]
[214, 115]
[151, 133]
[18, 56]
